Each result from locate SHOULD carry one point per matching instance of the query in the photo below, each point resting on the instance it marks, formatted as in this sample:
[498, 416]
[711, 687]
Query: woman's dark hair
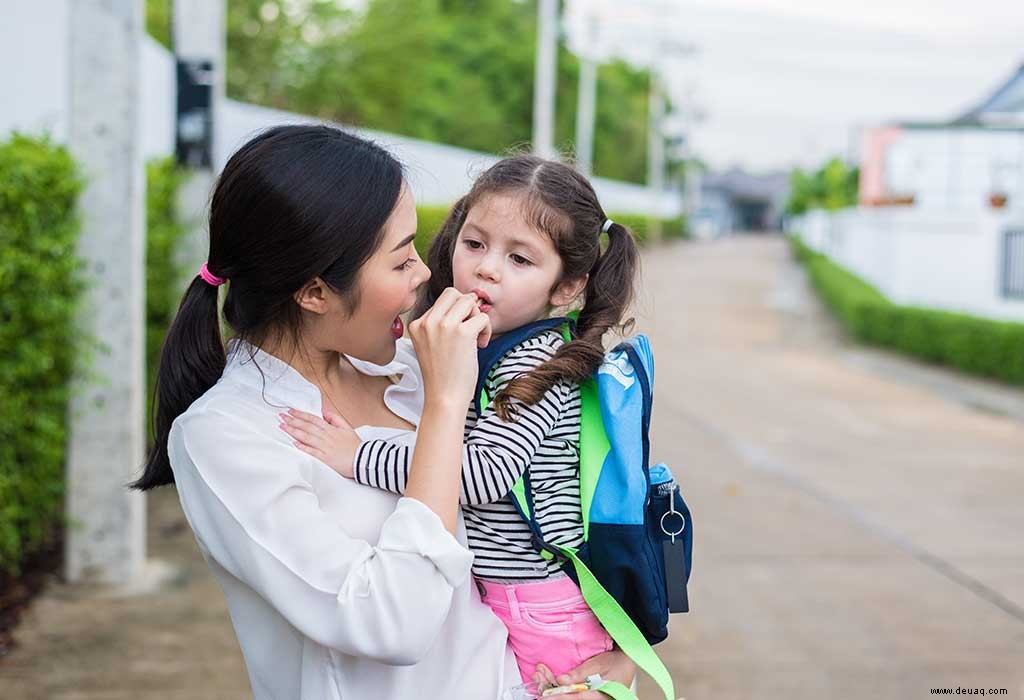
[557, 200]
[293, 204]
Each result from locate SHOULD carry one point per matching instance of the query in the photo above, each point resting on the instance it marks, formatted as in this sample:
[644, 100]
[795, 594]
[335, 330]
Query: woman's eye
[473, 245]
[520, 260]
[407, 264]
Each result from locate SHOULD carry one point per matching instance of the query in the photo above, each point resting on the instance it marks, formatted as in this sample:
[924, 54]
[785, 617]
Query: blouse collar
[278, 379]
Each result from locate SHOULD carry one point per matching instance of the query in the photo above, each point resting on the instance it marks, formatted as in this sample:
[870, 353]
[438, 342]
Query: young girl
[527, 241]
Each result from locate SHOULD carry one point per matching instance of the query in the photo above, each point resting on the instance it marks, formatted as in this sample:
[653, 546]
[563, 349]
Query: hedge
[164, 231]
[975, 345]
[40, 289]
[431, 218]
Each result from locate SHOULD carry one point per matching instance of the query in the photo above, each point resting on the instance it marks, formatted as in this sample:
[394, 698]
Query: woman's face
[386, 285]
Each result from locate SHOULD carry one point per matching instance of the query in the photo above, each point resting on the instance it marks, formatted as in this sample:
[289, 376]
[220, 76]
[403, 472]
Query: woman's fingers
[443, 303]
[480, 327]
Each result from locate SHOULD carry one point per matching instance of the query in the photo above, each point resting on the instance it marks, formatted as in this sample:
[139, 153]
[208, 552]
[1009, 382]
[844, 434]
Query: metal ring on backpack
[682, 524]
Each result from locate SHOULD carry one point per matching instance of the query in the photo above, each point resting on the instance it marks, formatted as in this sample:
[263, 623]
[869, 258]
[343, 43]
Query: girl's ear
[568, 291]
[313, 297]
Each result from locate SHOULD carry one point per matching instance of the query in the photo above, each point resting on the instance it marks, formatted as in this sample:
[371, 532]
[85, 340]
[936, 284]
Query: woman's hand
[611, 665]
[446, 338]
[330, 439]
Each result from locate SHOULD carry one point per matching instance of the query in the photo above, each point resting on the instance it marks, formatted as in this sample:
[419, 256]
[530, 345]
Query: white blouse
[337, 591]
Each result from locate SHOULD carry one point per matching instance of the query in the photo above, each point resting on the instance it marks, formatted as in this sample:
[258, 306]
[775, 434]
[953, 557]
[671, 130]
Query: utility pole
[544, 79]
[199, 47]
[106, 534]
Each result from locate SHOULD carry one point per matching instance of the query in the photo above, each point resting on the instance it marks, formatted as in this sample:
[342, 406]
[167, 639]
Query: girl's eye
[473, 245]
[520, 260]
[407, 264]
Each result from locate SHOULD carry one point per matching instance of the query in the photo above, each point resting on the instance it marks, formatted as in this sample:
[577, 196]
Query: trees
[453, 71]
[833, 186]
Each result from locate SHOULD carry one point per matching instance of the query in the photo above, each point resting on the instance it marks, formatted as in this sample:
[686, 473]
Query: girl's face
[387, 285]
[512, 267]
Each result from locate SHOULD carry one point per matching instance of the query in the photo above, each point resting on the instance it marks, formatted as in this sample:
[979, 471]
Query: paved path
[859, 518]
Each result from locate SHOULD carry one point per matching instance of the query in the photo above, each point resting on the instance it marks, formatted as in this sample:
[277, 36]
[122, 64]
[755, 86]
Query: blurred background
[830, 200]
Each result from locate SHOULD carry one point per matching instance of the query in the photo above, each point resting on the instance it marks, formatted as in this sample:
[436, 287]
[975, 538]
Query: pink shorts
[548, 622]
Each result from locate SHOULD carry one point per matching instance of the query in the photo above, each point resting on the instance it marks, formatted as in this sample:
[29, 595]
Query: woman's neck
[322, 368]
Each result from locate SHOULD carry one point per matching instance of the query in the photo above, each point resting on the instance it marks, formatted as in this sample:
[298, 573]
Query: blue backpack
[638, 533]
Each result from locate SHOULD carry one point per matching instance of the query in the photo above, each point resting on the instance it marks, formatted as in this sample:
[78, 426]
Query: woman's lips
[397, 327]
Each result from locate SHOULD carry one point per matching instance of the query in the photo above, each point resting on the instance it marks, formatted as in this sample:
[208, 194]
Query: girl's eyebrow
[405, 241]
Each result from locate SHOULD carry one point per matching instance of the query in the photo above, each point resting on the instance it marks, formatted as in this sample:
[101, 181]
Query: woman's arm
[446, 339]
[247, 497]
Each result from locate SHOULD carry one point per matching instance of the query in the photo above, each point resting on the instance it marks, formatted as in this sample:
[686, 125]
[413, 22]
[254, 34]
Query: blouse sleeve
[250, 507]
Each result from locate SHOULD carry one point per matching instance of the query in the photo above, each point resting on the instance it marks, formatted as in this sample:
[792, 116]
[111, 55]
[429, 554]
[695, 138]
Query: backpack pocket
[670, 528]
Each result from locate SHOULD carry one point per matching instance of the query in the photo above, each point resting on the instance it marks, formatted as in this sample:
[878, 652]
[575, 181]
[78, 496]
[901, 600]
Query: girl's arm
[496, 453]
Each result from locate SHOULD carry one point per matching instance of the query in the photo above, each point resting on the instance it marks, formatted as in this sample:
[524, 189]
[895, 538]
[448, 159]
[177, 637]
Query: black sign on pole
[194, 125]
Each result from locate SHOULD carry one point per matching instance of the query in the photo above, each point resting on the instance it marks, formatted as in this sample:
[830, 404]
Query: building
[974, 161]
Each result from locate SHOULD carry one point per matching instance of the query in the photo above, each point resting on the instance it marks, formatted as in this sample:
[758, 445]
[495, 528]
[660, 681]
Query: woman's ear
[568, 291]
[313, 297]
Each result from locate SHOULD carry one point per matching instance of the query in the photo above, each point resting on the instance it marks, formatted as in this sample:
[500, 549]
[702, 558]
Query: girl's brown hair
[560, 202]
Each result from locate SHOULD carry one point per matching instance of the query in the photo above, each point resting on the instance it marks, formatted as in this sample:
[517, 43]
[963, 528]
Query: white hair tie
[608, 223]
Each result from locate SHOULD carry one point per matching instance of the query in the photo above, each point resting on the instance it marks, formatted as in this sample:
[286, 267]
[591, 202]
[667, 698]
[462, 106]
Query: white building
[972, 162]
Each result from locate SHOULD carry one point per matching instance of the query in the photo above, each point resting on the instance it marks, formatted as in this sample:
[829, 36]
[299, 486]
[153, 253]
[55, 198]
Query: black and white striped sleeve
[495, 453]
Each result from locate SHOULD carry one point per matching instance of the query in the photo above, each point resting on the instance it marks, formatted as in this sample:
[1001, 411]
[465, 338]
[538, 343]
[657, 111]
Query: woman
[335, 590]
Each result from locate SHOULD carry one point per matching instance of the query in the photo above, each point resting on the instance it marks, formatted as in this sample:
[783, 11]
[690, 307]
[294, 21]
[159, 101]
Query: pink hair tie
[209, 277]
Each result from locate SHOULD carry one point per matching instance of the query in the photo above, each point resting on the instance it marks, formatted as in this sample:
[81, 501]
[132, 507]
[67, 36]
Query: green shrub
[164, 231]
[976, 345]
[40, 288]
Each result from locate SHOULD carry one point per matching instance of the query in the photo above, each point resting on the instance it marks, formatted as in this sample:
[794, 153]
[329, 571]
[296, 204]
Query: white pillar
[544, 79]
[655, 153]
[106, 532]
[585, 116]
[199, 34]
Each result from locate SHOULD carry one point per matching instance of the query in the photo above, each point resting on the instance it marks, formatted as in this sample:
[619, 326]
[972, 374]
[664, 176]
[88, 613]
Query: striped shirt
[543, 438]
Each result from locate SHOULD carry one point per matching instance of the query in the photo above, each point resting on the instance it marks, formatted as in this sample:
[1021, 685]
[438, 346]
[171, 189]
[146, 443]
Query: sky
[783, 84]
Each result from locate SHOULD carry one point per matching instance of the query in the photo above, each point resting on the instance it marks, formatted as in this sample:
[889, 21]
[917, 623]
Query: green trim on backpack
[594, 446]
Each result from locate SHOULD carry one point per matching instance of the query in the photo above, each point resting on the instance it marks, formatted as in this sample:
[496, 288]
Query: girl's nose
[486, 270]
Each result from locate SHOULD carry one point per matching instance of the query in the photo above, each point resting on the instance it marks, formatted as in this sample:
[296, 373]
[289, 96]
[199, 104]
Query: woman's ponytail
[191, 361]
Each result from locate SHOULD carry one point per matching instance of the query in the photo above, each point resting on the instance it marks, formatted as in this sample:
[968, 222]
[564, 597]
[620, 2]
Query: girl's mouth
[397, 328]
[484, 301]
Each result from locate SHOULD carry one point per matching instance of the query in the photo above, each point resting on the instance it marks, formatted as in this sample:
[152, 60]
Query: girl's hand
[330, 439]
[611, 665]
[446, 338]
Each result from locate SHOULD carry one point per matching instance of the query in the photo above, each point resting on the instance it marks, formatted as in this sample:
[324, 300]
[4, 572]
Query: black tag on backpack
[675, 575]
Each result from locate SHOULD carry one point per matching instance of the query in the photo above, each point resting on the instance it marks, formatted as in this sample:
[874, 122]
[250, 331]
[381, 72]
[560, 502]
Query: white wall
[438, 174]
[35, 67]
[956, 168]
[35, 89]
[942, 260]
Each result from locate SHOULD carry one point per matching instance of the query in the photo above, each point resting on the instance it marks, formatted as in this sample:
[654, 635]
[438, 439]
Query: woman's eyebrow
[405, 241]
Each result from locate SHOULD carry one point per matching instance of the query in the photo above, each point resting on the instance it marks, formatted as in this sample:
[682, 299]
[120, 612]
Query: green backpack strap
[622, 629]
[614, 619]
